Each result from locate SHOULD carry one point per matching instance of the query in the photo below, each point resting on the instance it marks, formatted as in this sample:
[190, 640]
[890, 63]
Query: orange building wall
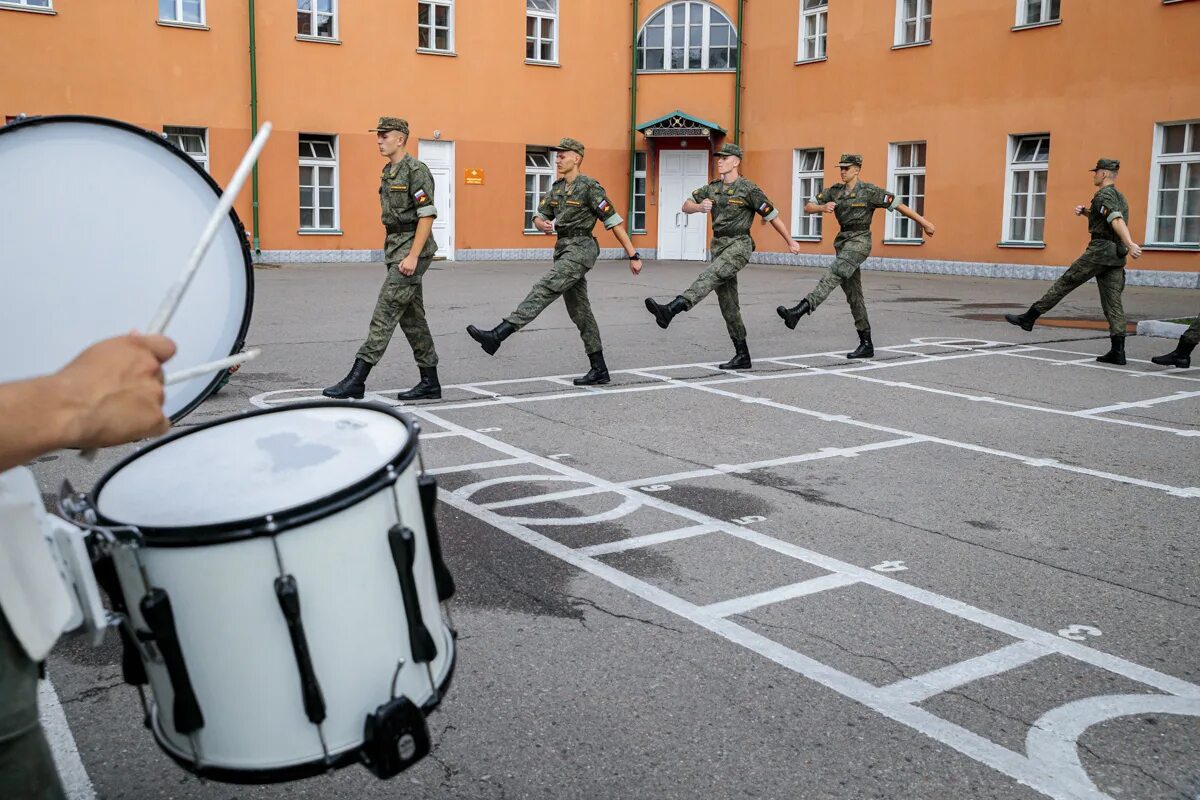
[1087, 81]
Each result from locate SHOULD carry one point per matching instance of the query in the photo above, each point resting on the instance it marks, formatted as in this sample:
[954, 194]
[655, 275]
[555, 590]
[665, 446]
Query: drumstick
[212, 366]
[175, 293]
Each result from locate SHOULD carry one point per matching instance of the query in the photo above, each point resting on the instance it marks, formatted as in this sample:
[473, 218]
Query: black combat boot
[597, 374]
[741, 356]
[1025, 320]
[1180, 357]
[428, 389]
[792, 315]
[1116, 353]
[354, 385]
[490, 340]
[663, 314]
[865, 348]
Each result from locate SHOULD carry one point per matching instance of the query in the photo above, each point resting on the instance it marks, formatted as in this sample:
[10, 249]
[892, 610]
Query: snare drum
[282, 574]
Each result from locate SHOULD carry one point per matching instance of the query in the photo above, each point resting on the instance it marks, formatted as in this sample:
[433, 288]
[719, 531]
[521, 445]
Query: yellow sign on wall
[473, 177]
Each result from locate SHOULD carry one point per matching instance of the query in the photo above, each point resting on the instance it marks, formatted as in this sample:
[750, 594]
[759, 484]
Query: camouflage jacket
[1108, 205]
[406, 194]
[734, 205]
[576, 206]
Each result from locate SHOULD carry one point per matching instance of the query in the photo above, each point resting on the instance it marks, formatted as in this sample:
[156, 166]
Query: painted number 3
[1079, 633]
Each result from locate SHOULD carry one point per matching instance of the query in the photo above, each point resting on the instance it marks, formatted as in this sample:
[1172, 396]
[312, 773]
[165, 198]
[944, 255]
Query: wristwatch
[636, 256]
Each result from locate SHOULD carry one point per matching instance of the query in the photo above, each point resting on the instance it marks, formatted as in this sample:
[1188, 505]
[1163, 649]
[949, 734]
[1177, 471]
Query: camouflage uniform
[26, 765]
[574, 207]
[1103, 260]
[1192, 335]
[405, 195]
[734, 207]
[853, 209]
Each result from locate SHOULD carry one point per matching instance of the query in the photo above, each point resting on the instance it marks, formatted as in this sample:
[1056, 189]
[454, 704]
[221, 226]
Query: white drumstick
[175, 294]
[212, 366]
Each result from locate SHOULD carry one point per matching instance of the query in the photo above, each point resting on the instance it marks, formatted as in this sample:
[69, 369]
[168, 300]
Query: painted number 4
[1079, 633]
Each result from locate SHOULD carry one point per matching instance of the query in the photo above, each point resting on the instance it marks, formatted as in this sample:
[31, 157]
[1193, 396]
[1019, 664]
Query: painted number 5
[1079, 633]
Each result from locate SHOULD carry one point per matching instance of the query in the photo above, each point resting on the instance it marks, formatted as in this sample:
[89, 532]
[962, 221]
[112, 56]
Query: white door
[681, 236]
[439, 157]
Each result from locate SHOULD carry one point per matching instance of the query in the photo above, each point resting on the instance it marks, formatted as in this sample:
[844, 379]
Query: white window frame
[1189, 162]
[433, 27]
[175, 135]
[818, 16]
[541, 18]
[1012, 167]
[178, 19]
[924, 24]
[316, 163]
[900, 227]
[712, 16]
[27, 5]
[312, 20]
[808, 180]
[536, 171]
[1025, 20]
[642, 173]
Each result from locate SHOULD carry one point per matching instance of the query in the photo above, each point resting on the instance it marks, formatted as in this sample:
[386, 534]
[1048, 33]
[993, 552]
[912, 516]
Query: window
[193, 141]
[1037, 12]
[1175, 185]
[906, 164]
[814, 29]
[539, 174]
[808, 182]
[318, 182]
[1028, 166]
[26, 3]
[185, 11]
[316, 18]
[541, 30]
[687, 36]
[914, 19]
[435, 25]
[638, 217]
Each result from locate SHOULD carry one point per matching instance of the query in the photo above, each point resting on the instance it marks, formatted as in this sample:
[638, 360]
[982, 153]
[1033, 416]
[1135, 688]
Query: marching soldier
[406, 198]
[1104, 260]
[853, 203]
[1181, 356]
[570, 210]
[733, 201]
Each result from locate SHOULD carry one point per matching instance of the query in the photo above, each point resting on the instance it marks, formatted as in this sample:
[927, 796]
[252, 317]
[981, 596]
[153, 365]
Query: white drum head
[253, 466]
[97, 220]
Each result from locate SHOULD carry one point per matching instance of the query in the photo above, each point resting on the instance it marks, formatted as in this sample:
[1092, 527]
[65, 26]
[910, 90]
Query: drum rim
[239, 228]
[279, 521]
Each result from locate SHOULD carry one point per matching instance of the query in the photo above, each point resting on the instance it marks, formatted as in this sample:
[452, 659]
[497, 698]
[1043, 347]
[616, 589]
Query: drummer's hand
[112, 393]
[409, 265]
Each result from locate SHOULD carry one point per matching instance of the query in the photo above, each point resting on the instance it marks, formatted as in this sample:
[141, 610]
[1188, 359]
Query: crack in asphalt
[591, 603]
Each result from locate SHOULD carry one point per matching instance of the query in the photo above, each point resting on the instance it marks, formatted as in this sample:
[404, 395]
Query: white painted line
[1090, 363]
[470, 489]
[649, 540]
[504, 462]
[1170, 398]
[438, 435]
[71, 771]
[740, 605]
[533, 499]
[474, 390]
[922, 687]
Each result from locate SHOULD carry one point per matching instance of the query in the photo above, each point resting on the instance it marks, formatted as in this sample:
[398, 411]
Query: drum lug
[427, 489]
[394, 738]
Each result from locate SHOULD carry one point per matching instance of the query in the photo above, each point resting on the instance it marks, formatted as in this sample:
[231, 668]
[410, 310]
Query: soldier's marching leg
[579, 309]
[727, 297]
[844, 265]
[1076, 275]
[383, 325]
[1181, 356]
[544, 292]
[416, 330]
[1111, 283]
[858, 309]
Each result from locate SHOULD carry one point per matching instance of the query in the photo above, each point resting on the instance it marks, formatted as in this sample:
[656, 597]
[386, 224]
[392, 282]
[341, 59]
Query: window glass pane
[1168, 203]
[306, 176]
[717, 59]
[1036, 230]
[1173, 138]
[304, 23]
[1054, 9]
[442, 39]
[325, 218]
[1191, 203]
[1020, 182]
[1193, 176]
[326, 175]
[654, 36]
[1170, 176]
[1194, 142]
[548, 50]
[1191, 230]
[441, 16]
[191, 11]
[306, 197]
[423, 40]
[1165, 230]
[654, 59]
[1040, 182]
[166, 9]
[422, 14]
[677, 58]
[326, 198]
[325, 26]
[325, 6]
[306, 218]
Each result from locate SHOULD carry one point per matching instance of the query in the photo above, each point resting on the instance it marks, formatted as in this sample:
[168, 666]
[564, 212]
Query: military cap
[567, 143]
[1110, 164]
[728, 149]
[391, 124]
[850, 160]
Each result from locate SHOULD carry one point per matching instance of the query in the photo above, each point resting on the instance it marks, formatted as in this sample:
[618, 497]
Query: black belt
[1104, 239]
[574, 234]
[855, 228]
[729, 235]
[401, 227]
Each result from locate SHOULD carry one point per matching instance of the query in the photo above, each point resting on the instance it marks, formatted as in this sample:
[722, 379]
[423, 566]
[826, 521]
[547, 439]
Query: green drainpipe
[254, 130]
[737, 76]
[633, 114]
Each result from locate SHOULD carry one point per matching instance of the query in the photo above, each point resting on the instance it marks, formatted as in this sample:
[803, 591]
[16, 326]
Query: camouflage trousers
[1192, 334]
[1109, 279]
[729, 255]
[26, 765]
[400, 303]
[568, 279]
[845, 272]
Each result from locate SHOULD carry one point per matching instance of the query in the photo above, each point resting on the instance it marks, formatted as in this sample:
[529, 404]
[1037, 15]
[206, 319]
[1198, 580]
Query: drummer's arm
[111, 393]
